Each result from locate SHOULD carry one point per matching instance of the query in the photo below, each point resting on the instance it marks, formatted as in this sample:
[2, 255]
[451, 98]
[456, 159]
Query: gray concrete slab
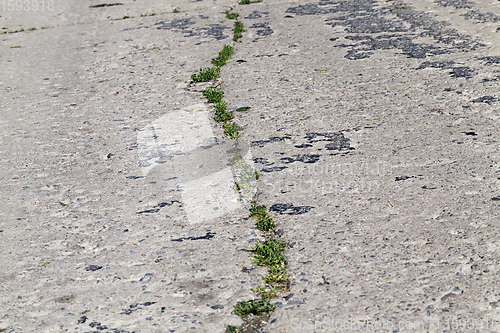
[373, 124]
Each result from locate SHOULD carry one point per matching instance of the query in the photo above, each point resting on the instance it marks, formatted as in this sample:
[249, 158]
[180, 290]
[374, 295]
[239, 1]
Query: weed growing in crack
[231, 130]
[206, 74]
[221, 113]
[264, 221]
[245, 175]
[213, 95]
[269, 253]
[237, 186]
[248, 2]
[231, 16]
[223, 57]
[238, 30]
[232, 329]
[253, 307]
[276, 275]
[267, 291]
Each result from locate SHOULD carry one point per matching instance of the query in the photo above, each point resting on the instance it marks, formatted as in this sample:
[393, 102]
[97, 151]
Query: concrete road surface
[373, 125]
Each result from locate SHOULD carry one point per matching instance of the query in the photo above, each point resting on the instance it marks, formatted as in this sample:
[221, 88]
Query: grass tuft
[244, 2]
[232, 329]
[248, 2]
[264, 221]
[213, 95]
[231, 16]
[206, 74]
[238, 30]
[224, 56]
[267, 291]
[231, 130]
[221, 113]
[269, 253]
[253, 307]
[276, 275]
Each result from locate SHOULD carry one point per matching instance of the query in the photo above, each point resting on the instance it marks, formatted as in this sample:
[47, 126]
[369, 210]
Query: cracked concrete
[373, 125]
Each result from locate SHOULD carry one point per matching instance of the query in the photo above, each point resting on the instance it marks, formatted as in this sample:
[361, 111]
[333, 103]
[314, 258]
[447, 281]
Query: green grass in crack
[248, 2]
[237, 186]
[206, 74]
[232, 329]
[276, 275]
[246, 172]
[231, 130]
[213, 95]
[238, 30]
[267, 291]
[253, 307]
[220, 112]
[231, 16]
[269, 253]
[223, 57]
[264, 221]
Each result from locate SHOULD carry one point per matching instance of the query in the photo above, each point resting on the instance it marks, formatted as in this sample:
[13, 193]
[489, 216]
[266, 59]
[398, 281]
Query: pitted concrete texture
[373, 124]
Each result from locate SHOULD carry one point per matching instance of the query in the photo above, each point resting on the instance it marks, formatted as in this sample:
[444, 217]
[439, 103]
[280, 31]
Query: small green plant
[258, 211]
[237, 186]
[213, 95]
[248, 2]
[269, 253]
[276, 275]
[223, 57]
[238, 30]
[245, 175]
[267, 291]
[206, 74]
[243, 108]
[231, 16]
[175, 10]
[264, 221]
[32, 28]
[232, 329]
[253, 307]
[231, 130]
[220, 112]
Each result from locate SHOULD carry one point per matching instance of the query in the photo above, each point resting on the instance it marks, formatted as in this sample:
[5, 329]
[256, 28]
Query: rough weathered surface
[373, 124]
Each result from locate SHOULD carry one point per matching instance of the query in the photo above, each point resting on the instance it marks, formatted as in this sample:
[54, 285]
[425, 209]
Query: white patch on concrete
[210, 197]
[175, 133]
[181, 146]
